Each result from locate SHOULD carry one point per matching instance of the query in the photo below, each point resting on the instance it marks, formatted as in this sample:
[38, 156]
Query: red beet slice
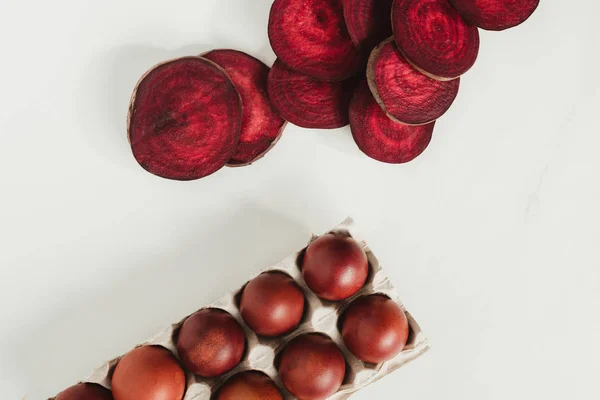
[496, 15]
[184, 119]
[261, 125]
[368, 21]
[434, 37]
[381, 138]
[404, 93]
[311, 37]
[309, 102]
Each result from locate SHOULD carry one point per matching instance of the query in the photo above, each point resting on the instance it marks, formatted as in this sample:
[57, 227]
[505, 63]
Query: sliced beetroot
[309, 102]
[381, 138]
[368, 21]
[261, 125]
[496, 15]
[184, 119]
[311, 37]
[434, 37]
[404, 93]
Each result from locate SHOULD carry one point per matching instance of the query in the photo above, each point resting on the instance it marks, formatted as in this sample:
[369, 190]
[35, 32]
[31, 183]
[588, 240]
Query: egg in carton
[320, 316]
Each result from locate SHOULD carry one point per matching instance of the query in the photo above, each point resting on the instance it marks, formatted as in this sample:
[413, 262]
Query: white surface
[492, 235]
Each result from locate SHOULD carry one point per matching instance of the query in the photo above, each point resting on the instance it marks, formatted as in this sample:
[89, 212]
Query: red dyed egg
[250, 385]
[335, 267]
[211, 342]
[148, 373]
[375, 328]
[85, 391]
[312, 367]
[272, 304]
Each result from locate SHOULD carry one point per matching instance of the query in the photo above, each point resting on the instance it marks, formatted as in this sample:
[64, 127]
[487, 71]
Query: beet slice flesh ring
[368, 21]
[405, 94]
[496, 15]
[184, 119]
[434, 37]
[381, 138]
[261, 125]
[311, 37]
[309, 102]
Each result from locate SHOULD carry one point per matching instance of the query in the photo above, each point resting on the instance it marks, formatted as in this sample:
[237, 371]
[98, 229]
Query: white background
[492, 235]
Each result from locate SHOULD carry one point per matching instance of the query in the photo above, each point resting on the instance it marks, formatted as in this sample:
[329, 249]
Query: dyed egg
[148, 373]
[312, 367]
[85, 391]
[211, 342]
[250, 385]
[335, 267]
[375, 328]
[272, 304]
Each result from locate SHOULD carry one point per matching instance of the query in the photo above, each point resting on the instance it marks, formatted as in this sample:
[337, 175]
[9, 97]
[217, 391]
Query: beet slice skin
[404, 93]
[311, 37]
[496, 15]
[434, 37]
[309, 102]
[261, 125]
[184, 119]
[381, 138]
[368, 21]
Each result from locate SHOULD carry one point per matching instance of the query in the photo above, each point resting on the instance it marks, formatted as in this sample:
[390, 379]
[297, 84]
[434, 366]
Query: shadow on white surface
[338, 141]
[213, 257]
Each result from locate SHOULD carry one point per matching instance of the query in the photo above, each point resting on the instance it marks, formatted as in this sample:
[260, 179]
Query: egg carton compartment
[320, 316]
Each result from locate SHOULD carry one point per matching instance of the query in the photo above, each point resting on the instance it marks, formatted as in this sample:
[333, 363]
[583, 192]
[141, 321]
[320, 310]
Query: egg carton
[320, 316]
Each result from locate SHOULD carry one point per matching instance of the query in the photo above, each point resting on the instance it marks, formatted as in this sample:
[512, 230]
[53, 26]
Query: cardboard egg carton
[320, 316]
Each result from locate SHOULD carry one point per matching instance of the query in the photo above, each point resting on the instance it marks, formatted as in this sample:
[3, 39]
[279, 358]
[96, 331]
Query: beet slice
[496, 15]
[261, 125]
[381, 138]
[309, 102]
[184, 119]
[368, 21]
[311, 37]
[434, 37]
[404, 93]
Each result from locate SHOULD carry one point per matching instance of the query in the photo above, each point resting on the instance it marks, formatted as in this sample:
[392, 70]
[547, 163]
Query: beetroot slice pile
[309, 102]
[177, 127]
[404, 93]
[390, 68]
[434, 37]
[311, 37]
[381, 138]
[261, 125]
[368, 21]
[496, 15]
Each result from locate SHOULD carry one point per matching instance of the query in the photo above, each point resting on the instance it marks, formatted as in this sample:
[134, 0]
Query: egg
[211, 342]
[249, 385]
[85, 391]
[312, 367]
[148, 373]
[375, 328]
[335, 266]
[272, 304]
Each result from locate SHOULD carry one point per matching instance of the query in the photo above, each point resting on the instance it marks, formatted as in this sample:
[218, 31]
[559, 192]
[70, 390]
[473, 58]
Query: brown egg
[335, 267]
[272, 304]
[85, 391]
[374, 328]
[148, 373]
[312, 367]
[211, 342]
[250, 385]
